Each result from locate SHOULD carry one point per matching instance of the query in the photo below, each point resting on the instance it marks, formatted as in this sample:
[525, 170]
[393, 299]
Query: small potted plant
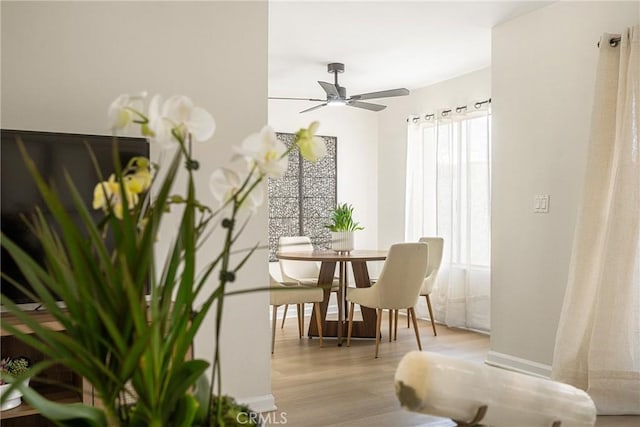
[12, 369]
[342, 227]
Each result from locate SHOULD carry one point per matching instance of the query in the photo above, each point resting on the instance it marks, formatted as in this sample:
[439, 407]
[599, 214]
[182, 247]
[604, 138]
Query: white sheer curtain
[598, 338]
[448, 195]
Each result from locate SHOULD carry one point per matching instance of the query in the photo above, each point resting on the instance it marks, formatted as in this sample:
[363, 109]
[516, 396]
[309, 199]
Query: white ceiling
[383, 44]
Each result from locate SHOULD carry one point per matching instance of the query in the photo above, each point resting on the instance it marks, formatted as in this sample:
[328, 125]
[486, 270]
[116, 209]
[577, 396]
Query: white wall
[357, 133]
[543, 71]
[64, 62]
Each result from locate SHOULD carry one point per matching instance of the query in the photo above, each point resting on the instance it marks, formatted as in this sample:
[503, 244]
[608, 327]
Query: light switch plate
[541, 203]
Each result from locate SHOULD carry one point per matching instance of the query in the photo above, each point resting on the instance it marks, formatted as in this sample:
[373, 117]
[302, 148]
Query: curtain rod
[613, 41]
[445, 113]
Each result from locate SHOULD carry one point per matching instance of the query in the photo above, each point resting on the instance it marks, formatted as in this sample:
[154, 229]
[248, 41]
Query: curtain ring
[479, 104]
[613, 41]
[461, 109]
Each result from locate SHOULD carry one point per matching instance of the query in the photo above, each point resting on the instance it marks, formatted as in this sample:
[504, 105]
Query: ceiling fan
[337, 95]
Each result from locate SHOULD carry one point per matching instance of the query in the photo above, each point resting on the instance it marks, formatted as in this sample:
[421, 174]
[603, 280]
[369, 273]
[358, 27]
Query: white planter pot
[342, 241]
[14, 398]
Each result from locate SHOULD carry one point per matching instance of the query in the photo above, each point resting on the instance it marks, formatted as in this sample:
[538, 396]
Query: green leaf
[342, 219]
[202, 393]
[183, 378]
[72, 415]
[185, 412]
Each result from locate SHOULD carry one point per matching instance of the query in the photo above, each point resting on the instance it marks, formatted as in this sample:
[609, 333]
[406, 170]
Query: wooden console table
[24, 415]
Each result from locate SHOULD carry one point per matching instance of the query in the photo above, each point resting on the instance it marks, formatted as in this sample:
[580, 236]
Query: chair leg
[433, 320]
[273, 328]
[408, 319]
[300, 319]
[316, 306]
[346, 285]
[395, 329]
[378, 325]
[286, 307]
[346, 309]
[390, 324]
[350, 328]
[412, 313]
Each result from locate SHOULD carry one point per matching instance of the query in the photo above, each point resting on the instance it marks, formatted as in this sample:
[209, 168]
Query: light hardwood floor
[347, 387]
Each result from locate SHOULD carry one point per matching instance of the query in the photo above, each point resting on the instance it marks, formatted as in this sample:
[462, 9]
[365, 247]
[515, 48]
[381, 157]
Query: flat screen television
[52, 153]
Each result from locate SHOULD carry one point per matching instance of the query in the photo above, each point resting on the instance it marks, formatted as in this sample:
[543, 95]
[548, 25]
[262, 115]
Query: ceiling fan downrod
[335, 68]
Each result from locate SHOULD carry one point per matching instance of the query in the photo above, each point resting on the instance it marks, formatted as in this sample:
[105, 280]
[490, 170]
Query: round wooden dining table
[329, 259]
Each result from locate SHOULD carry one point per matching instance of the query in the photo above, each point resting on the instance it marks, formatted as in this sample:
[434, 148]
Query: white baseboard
[513, 363]
[265, 403]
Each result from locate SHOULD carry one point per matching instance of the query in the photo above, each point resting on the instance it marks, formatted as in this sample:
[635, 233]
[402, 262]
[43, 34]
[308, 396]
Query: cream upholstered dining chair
[281, 294]
[299, 272]
[303, 272]
[398, 286]
[436, 247]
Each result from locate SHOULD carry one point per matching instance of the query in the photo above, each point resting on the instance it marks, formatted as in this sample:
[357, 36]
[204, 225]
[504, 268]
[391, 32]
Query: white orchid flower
[225, 183]
[160, 126]
[125, 109]
[255, 199]
[311, 147]
[179, 114]
[266, 151]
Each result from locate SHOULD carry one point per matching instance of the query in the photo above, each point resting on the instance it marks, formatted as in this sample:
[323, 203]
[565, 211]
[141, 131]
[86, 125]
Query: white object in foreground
[438, 385]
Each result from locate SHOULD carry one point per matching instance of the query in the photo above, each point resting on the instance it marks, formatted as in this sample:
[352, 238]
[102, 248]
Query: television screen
[52, 153]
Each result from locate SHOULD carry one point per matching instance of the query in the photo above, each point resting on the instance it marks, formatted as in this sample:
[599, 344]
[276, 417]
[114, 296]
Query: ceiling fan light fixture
[336, 102]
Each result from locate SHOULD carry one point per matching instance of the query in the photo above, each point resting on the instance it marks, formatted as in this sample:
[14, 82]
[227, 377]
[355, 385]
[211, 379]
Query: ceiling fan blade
[366, 105]
[382, 94]
[330, 88]
[313, 108]
[297, 99]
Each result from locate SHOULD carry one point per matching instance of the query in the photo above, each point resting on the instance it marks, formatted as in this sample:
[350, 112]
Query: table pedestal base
[330, 329]
[366, 328]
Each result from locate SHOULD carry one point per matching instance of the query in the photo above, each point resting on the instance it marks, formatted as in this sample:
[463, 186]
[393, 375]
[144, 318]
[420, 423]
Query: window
[448, 195]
